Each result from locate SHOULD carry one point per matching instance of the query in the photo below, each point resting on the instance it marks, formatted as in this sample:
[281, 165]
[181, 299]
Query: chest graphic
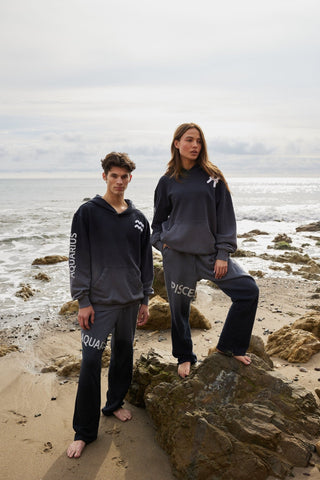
[139, 225]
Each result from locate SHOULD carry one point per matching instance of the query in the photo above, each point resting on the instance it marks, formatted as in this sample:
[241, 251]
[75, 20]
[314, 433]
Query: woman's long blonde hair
[174, 168]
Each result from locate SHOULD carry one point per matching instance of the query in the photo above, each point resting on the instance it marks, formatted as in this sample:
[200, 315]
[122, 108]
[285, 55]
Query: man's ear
[130, 177]
[104, 176]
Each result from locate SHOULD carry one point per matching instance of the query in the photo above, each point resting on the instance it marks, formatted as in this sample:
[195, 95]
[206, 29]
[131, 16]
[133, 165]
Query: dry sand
[37, 408]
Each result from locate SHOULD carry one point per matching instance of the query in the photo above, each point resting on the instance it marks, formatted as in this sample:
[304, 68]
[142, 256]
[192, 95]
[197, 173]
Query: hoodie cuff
[158, 245]
[145, 300]
[84, 302]
[222, 255]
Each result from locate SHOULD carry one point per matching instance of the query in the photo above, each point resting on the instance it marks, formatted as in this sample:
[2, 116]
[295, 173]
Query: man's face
[117, 180]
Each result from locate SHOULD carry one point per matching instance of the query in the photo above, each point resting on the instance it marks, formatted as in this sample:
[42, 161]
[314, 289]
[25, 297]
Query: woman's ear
[177, 144]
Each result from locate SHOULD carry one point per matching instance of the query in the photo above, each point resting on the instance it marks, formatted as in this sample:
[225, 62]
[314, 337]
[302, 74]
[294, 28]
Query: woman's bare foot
[243, 359]
[184, 369]
[76, 448]
[122, 414]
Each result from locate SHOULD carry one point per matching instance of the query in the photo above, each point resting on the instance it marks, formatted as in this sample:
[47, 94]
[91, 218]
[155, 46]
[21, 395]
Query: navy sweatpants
[121, 322]
[182, 271]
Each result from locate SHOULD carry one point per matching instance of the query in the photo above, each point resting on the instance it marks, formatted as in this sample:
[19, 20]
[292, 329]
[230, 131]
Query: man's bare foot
[184, 369]
[122, 414]
[243, 359]
[76, 448]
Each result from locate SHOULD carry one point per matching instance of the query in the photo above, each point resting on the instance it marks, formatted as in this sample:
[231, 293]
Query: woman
[194, 227]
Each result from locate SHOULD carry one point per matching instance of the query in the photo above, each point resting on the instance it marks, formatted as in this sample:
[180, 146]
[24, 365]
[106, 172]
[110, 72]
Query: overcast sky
[82, 78]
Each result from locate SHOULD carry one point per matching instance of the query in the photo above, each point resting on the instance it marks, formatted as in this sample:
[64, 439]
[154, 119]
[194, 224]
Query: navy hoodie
[110, 259]
[194, 215]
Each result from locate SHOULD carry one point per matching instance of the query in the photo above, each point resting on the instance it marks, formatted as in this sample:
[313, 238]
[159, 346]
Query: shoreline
[37, 408]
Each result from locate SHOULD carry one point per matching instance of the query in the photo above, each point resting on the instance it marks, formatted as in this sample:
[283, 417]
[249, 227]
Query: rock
[159, 286]
[318, 448]
[311, 271]
[227, 421]
[311, 227]
[309, 322]
[25, 292]
[69, 365]
[42, 276]
[257, 347]
[287, 257]
[317, 391]
[69, 308]
[294, 345]
[252, 232]
[49, 260]
[282, 237]
[282, 246]
[257, 273]
[160, 317]
[5, 349]
[285, 268]
[243, 253]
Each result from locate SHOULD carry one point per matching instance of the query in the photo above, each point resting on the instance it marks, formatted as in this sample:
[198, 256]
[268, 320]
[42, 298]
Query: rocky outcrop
[69, 365]
[25, 292]
[49, 260]
[298, 342]
[160, 317]
[226, 420]
[69, 308]
[5, 349]
[42, 276]
[311, 227]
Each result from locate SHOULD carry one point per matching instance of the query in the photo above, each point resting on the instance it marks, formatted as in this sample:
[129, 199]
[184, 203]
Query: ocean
[36, 216]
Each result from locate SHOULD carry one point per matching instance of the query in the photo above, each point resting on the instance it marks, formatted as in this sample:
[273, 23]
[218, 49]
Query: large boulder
[298, 342]
[160, 317]
[226, 420]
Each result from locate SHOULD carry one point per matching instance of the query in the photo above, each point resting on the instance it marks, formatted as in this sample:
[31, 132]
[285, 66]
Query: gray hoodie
[110, 259]
[194, 215]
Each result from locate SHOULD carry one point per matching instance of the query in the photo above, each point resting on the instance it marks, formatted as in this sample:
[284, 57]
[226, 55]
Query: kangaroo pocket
[117, 285]
[195, 238]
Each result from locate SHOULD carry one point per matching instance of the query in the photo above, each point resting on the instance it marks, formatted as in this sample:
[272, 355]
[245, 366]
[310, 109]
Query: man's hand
[86, 317]
[220, 268]
[143, 315]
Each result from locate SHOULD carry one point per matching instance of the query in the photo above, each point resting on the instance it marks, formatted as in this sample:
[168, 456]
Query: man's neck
[116, 201]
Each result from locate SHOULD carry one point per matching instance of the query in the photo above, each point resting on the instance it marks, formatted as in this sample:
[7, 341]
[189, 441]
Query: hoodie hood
[101, 202]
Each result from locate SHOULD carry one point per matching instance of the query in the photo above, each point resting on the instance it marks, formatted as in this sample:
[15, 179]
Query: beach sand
[36, 408]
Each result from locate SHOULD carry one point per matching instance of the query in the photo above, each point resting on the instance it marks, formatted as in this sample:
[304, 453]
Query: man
[111, 276]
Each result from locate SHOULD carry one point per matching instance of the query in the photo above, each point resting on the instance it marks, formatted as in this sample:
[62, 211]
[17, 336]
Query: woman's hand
[220, 269]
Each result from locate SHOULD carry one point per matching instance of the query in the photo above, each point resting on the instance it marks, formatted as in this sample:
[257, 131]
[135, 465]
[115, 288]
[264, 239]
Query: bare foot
[122, 414]
[76, 448]
[243, 359]
[184, 369]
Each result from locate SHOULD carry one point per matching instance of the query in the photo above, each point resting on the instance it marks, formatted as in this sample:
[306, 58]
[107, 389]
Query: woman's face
[189, 146]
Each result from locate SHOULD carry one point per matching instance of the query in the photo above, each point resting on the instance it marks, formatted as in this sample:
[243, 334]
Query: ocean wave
[287, 213]
[32, 237]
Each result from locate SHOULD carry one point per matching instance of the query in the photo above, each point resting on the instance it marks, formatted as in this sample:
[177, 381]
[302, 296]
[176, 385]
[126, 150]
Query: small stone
[302, 369]
[317, 369]
[37, 415]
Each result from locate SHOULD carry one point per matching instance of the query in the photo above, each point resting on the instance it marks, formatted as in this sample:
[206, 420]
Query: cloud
[82, 78]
